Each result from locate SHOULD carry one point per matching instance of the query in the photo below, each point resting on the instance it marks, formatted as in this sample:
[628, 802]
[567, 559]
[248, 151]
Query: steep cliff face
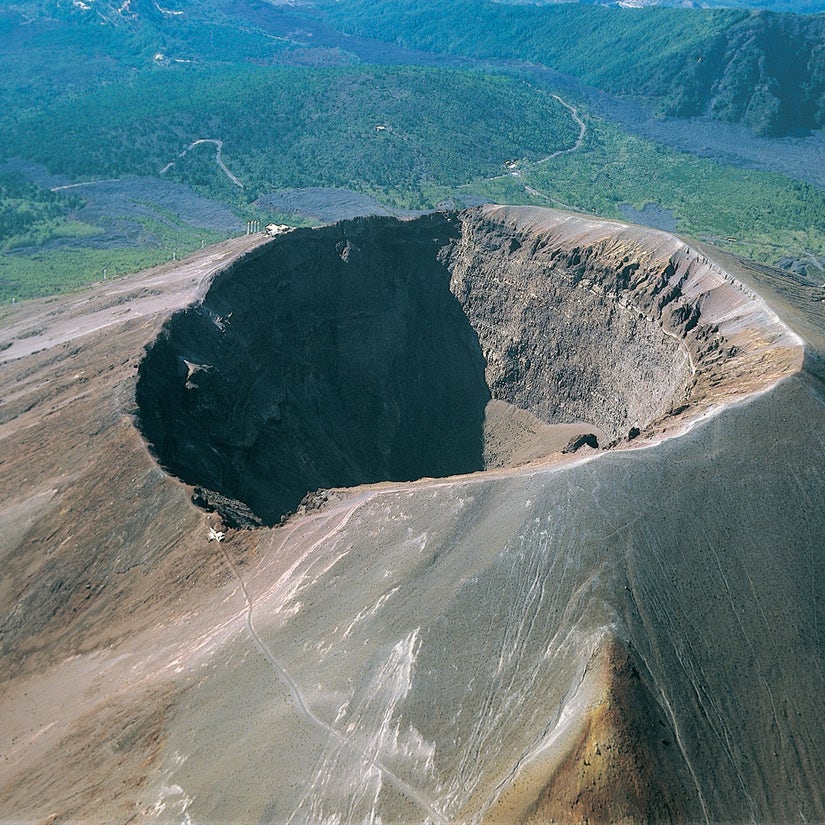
[572, 332]
[369, 351]
[336, 357]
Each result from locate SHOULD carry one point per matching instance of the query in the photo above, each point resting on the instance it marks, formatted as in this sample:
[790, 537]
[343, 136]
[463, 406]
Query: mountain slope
[624, 635]
[763, 69]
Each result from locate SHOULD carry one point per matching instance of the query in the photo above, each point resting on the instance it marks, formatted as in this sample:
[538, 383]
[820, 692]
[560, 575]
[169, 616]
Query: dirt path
[582, 131]
[515, 172]
[298, 699]
[36, 325]
[218, 158]
[84, 183]
[574, 148]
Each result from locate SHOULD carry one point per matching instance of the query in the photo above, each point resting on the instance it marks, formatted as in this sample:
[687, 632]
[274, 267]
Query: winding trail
[582, 131]
[298, 700]
[218, 159]
[574, 148]
[515, 172]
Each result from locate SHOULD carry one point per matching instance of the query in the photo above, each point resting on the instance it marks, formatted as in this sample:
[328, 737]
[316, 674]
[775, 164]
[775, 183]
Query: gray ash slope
[630, 635]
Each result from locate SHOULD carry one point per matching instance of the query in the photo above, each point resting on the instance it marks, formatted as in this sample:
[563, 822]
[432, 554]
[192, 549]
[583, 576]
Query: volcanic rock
[585, 439]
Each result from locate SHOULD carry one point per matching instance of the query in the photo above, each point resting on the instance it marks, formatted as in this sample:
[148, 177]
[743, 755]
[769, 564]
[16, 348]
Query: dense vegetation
[762, 69]
[370, 128]
[52, 50]
[31, 215]
[756, 214]
[120, 91]
[794, 6]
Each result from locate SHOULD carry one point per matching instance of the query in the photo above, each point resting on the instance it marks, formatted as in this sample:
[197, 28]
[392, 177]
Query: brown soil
[625, 766]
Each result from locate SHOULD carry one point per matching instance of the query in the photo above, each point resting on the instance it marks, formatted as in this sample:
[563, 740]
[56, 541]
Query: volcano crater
[386, 350]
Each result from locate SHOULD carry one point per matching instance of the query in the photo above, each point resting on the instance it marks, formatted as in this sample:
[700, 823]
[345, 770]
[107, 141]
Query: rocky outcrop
[622, 765]
[579, 441]
[572, 332]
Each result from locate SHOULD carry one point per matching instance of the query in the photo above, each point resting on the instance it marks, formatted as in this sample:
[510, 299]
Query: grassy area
[50, 271]
[31, 215]
[45, 248]
[758, 214]
[61, 230]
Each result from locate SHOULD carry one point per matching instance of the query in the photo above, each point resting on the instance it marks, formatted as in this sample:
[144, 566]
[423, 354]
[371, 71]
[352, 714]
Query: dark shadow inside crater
[369, 350]
[334, 357]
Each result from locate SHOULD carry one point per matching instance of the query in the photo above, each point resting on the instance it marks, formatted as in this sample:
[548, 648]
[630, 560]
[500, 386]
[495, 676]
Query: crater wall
[571, 333]
[369, 350]
[338, 356]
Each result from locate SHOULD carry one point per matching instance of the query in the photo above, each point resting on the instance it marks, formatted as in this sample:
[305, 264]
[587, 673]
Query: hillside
[283, 126]
[451, 512]
[794, 6]
[759, 68]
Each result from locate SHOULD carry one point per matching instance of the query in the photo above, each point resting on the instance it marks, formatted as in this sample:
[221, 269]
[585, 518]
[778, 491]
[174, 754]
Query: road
[218, 158]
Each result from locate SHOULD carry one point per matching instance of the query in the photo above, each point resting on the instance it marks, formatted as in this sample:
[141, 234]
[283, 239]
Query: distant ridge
[759, 68]
[793, 6]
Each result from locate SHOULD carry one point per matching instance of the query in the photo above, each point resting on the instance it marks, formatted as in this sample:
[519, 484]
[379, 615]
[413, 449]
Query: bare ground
[441, 627]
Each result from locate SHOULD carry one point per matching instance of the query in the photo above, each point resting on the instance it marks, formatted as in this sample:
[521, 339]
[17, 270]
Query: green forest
[370, 128]
[31, 215]
[152, 97]
[760, 68]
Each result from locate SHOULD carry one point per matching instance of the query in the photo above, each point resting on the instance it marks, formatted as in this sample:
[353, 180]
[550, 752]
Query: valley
[706, 175]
